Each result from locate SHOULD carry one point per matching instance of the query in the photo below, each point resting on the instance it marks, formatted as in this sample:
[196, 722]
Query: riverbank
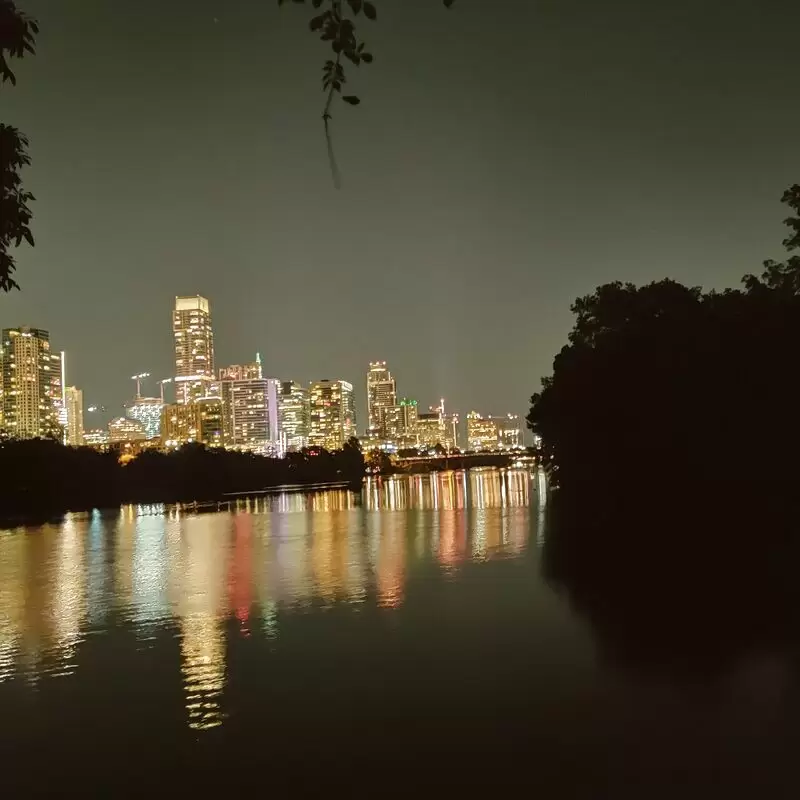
[41, 479]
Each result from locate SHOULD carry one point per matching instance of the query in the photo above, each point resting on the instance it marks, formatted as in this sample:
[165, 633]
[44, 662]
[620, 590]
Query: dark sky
[508, 156]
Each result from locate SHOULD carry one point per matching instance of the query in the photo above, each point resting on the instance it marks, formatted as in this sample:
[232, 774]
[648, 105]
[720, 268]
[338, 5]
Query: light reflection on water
[154, 569]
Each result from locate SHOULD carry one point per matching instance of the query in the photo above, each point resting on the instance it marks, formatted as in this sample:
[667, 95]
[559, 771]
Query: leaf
[316, 22]
[367, 58]
[355, 5]
[351, 99]
[316, 3]
[448, 3]
[370, 11]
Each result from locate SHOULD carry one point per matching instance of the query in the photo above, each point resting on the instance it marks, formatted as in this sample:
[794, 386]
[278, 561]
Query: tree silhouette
[665, 383]
[17, 37]
[336, 24]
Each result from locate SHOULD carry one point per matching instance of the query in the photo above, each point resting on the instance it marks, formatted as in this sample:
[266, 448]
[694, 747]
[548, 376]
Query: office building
[146, 410]
[294, 416]
[429, 429]
[194, 349]
[242, 372]
[509, 431]
[246, 414]
[73, 402]
[482, 433]
[201, 421]
[32, 384]
[381, 394]
[332, 415]
[96, 437]
[122, 430]
[400, 424]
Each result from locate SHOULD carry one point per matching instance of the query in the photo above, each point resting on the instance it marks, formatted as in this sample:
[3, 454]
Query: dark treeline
[671, 432]
[673, 389]
[42, 477]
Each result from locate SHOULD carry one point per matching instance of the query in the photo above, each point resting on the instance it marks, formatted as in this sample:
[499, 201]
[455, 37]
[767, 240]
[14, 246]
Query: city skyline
[484, 229]
[235, 406]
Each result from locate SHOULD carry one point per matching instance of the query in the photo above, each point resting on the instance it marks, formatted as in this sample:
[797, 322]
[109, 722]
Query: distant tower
[332, 414]
[74, 405]
[32, 384]
[294, 415]
[194, 348]
[381, 394]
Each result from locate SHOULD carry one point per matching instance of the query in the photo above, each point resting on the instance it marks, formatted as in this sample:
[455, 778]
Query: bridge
[439, 463]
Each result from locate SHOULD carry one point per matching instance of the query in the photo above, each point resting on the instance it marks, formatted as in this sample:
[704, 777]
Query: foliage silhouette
[43, 477]
[664, 384]
[17, 37]
[670, 431]
[336, 24]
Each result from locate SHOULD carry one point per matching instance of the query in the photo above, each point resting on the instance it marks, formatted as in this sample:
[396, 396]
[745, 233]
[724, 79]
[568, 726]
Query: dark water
[403, 640]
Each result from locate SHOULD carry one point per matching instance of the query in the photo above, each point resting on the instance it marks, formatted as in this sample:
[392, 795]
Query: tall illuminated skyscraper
[73, 400]
[32, 384]
[381, 394]
[194, 348]
[294, 415]
[332, 414]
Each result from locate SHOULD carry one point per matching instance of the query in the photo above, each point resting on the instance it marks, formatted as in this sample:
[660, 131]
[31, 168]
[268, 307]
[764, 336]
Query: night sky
[508, 156]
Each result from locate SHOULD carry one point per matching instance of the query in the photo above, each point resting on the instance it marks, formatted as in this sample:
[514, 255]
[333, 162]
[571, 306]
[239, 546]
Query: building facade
[400, 424]
[381, 394]
[194, 349]
[201, 421]
[147, 410]
[509, 431]
[73, 400]
[294, 414]
[332, 414]
[33, 401]
[482, 432]
[242, 372]
[123, 429]
[246, 414]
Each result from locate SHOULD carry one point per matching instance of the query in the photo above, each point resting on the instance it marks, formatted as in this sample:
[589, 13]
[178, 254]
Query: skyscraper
[74, 404]
[482, 433]
[294, 415]
[400, 423]
[201, 422]
[32, 384]
[332, 414]
[194, 348]
[242, 372]
[123, 429]
[381, 393]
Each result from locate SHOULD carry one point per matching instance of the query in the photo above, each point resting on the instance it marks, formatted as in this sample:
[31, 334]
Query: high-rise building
[332, 414]
[509, 431]
[429, 429]
[400, 423]
[194, 348]
[73, 398]
[32, 384]
[201, 421]
[294, 414]
[381, 394]
[123, 429]
[242, 372]
[246, 410]
[482, 433]
[146, 410]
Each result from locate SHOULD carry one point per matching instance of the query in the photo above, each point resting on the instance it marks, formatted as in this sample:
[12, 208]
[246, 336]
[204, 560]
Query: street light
[138, 379]
[161, 384]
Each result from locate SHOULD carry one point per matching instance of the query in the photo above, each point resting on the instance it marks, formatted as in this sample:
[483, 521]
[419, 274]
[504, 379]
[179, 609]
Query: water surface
[348, 643]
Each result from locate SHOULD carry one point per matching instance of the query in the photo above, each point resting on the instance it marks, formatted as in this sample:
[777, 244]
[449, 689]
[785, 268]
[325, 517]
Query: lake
[400, 640]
